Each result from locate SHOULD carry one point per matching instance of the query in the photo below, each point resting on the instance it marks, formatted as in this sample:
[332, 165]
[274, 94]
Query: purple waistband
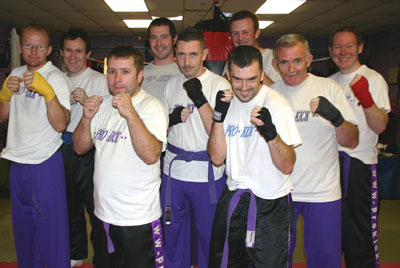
[251, 222]
[188, 156]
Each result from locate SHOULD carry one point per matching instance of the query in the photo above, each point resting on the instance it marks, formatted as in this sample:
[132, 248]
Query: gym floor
[389, 233]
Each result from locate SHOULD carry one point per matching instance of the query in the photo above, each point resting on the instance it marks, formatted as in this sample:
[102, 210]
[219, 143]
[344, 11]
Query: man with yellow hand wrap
[35, 101]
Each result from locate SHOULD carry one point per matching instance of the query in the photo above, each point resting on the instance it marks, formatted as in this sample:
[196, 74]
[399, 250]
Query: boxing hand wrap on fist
[221, 107]
[5, 93]
[175, 116]
[41, 86]
[268, 130]
[329, 112]
[193, 89]
[361, 90]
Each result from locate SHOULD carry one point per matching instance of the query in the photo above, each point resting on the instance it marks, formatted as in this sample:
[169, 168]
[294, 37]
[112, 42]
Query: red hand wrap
[361, 90]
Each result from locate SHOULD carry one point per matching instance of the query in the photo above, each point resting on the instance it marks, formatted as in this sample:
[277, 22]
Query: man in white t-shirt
[255, 132]
[75, 50]
[129, 131]
[367, 92]
[190, 182]
[324, 119]
[35, 100]
[161, 34]
[244, 30]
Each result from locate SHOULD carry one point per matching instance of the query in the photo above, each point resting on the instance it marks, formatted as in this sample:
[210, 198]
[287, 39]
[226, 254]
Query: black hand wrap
[175, 116]
[329, 112]
[193, 88]
[268, 130]
[221, 107]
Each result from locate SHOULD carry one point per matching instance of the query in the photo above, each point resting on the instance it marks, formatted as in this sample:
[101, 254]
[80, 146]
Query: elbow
[353, 143]
[60, 127]
[380, 129]
[152, 159]
[217, 161]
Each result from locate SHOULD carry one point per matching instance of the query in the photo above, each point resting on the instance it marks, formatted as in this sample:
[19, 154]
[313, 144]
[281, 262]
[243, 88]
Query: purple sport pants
[187, 196]
[39, 213]
[322, 233]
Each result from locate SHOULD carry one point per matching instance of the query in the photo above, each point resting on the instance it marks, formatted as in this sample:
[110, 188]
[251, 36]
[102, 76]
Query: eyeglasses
[38, 47]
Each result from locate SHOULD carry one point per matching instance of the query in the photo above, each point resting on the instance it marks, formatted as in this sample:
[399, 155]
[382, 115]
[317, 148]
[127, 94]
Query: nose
[117, 77]
[73, 54]
[342, 50]
[291, 68]
[158, 42]
[187, 61]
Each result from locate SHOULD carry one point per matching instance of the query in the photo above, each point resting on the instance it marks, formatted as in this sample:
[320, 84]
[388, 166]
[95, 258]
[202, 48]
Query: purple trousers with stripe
[322, 233]
[187, 196]
[39, 213]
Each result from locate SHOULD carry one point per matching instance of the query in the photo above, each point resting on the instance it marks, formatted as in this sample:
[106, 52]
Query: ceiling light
[279, 6]
[265, 23]
[137, 23]
[127, 6]
[170, 18]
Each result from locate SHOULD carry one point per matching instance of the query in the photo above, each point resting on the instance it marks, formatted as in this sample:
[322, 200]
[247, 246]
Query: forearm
[217, 144]
[267, 81]
[283, 156]
[145, 144]
[347, 135]
[58, 116]
[4, 111]
[376, 118]
[81, 138]
[206, 113]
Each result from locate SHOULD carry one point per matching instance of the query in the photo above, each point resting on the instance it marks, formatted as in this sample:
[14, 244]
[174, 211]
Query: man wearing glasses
[35, 100]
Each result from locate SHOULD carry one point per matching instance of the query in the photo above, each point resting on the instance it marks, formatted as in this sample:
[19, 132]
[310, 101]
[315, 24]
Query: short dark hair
[244, 14]
[350, 29]
[127, 52]
[163, 22]
[243, 56]
[36, 27]
[75, 33]
[192, 34]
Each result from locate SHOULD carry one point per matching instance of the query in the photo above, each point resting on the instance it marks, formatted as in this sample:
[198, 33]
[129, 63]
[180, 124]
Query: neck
[170, 59]
[69, 74]
[350, 69]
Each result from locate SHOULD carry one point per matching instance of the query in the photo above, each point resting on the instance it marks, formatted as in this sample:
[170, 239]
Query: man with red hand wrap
[367, 93]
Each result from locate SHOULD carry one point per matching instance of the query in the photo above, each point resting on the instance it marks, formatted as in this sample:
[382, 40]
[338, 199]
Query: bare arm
[282, 155]
[267, 81]
[4, 111]
[217, 144]
[376, 118]
[206, 113]
[58, 116]
[82, 138]
[145, 144]
[347, 135]
[10, 86]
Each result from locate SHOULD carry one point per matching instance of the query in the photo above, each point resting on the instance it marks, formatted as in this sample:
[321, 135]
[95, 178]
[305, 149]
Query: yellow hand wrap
[5, 93]
[41, 86]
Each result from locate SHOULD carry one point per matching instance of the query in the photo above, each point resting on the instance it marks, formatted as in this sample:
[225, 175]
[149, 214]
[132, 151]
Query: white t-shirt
[248, 162]
[126, 189]
[191, 135]
[94, 84]
[269, 68]
[156, 78]
[31, 139]
[366, 150]
[316, 174]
